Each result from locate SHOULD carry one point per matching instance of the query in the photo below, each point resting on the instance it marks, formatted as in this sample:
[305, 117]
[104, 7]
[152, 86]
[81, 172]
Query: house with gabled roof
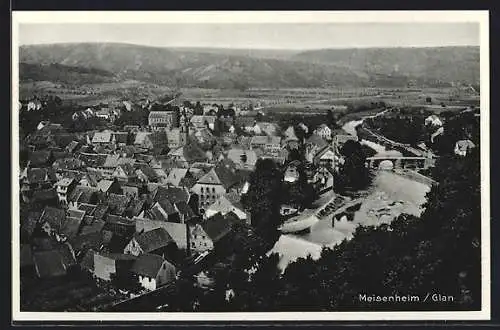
[105, 265]
[217, 228]
[271, 145]
[67, 164]
[217, 182]
[199, 121]
[228, 203]
[135, 208]
[171, 193]
[124, 173]
[117, 203]
[52, 220]
[199, 240]
[324, 131]
[163, 210]
[72, 225]
[146, 173]
[325, 157]
[33, 179]
[91, 178]
[314, 144]
[82, 194]
[100, 138]
[120, 138]
[109, 187]
[64, 187]
[161, 119]
[119, 230]
[177, 231]
[187, 154]
[156, 141]
[176, 138]
[176, 175]
[153, 271]
[157, 241]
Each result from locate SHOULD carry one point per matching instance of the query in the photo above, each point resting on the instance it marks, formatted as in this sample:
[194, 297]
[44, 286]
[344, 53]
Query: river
[389, 196]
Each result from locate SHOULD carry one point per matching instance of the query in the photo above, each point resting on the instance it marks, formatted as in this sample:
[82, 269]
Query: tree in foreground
[353, 174]
[263, 199]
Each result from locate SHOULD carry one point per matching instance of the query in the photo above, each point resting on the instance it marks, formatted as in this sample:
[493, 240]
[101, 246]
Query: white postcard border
[481, 17]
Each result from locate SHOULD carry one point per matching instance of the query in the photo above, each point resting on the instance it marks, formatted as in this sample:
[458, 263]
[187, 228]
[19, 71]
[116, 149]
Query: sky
[258, 35]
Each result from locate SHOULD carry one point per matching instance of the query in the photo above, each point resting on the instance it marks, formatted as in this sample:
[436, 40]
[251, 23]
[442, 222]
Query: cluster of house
[462, 147]
[145, 200]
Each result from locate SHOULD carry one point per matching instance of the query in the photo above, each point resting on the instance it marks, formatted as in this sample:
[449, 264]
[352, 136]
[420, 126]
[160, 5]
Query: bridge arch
[386, 165]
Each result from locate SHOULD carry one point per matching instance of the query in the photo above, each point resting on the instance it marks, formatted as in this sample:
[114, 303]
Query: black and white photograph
[250, 165]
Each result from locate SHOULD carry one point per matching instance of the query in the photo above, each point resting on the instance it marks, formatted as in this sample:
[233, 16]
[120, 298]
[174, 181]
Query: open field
[296, 101]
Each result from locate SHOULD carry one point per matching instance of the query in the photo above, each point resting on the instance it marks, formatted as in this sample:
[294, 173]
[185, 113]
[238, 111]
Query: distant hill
[63, 74]
[241, 69]
[434, 63]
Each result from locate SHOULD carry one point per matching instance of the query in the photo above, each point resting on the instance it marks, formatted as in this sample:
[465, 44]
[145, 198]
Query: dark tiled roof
[79, 214]
[128, 169]
[95, 227]
[148, 172]
[119, 225]
[316, 140]
[88, 208]
[217, 227]
[153, 240]
[135, 208]
[101, 211]
[158, 139]
[93, 177]
[184, 209]
[148, 265]
[40, 175]
[67, 255]
[71, 227]
[227, 177]
[167, 206]
[55, 217]
[62, 140]
[118, 203]
[45, 195]
[83, 194]
[30, 221]
[172, 194]
[188, 182]
[92, 240]
[93, 160]
[72, 146]
[40, 158]
[49, 263]
[121, 137]
[155, 214]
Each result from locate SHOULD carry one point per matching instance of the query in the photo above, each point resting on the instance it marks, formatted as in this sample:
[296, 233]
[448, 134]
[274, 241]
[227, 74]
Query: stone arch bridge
[400, 162]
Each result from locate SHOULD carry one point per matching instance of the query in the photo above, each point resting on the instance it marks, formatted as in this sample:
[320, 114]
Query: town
[160, 191]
